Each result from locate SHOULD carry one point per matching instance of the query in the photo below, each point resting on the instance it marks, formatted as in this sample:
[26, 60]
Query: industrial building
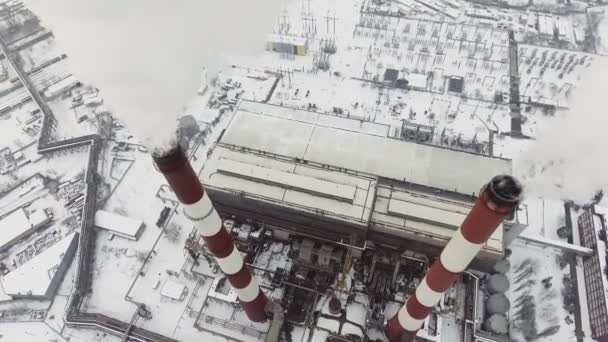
[40, 277]
[17, 225]
[174, 290]
[345, 181]
[417, 81]
[592, 232]
[123, 226]
[60, 87]
[292, 45]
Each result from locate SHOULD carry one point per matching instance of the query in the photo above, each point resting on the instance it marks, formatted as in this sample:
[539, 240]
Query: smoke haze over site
[569, 160]
[147, 56]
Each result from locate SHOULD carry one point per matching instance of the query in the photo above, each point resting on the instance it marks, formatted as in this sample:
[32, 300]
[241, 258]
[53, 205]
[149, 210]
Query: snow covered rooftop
[38, 218]
[173, 290]
[360, 146]
[427, 216]
[63, 85]
[417, 80]
[121, 225]
[287, 39]
[289, 180]
[13, 225]
[343, 196]
[37, 276]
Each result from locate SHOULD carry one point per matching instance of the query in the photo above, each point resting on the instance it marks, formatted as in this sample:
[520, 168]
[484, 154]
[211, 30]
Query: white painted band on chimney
[232, 263]
[426, 296]
[408, 322]
[249, 292]
[204, 216]
[458, 253]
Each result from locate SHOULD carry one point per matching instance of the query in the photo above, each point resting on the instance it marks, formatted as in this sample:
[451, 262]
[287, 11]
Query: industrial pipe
[496, 201]
[178, 171]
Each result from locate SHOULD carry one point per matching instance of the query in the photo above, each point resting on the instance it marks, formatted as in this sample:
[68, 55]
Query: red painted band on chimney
[439, 278]
[240, 279]
[394, 330]
[480, 223]
[181, 177]
[255, 309]
[408, 336]
[220, 244]
[416, 309]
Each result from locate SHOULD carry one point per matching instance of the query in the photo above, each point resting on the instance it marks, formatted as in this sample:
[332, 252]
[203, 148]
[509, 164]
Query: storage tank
[502, 266]
[498, 283]
[497, 324]
[497, 303]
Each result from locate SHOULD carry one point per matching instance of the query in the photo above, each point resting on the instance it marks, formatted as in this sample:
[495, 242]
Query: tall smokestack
[496, 201]
[198, 208]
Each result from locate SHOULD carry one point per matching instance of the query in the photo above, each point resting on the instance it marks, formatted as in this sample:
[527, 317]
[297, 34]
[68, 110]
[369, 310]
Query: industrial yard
[325, 189]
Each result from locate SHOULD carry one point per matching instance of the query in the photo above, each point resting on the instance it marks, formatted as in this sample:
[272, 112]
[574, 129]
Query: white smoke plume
[147, 56]
[569, 160]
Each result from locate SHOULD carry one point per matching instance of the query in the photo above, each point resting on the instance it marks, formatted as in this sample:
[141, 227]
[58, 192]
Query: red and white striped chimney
[495, 203]
[176, 168]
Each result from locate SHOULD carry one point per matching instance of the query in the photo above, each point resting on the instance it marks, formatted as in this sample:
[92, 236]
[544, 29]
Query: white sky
[147, 56]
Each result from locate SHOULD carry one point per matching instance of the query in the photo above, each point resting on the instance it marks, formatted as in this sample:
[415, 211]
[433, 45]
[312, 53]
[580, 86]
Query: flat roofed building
[417, 81]
[126, 227]
[334, 177]
[174, 290]
[287, 44]
[287, 194]
[61, 87]
[17, 225]
[416, 214]
[40, 277]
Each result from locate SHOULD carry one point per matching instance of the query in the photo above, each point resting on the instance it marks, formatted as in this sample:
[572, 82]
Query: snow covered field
[537, 295]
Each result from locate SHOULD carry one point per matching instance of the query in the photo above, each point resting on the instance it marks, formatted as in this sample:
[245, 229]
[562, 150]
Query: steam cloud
[569, 160]
[147, 56]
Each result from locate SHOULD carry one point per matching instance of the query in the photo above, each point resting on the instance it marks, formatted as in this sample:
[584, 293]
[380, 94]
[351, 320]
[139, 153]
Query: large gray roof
[360, 146]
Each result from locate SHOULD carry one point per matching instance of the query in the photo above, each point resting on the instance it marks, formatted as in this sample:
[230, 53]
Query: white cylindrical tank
[497, 324]
[497, 303]
[498, 283]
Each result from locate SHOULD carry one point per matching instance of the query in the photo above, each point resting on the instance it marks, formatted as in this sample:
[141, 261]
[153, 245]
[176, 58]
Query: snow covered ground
[537, 295]
[29, 332]
[118, 261]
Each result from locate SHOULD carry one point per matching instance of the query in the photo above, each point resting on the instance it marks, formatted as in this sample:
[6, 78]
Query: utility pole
[309, 24]
[284, 24]
[331, 19]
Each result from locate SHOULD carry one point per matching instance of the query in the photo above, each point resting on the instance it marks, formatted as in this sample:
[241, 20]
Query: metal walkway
[563, 246]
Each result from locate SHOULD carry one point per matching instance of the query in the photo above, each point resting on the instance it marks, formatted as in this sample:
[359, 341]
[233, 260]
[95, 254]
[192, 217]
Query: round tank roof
[497, 303]
[497, 324]
[498, 283]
